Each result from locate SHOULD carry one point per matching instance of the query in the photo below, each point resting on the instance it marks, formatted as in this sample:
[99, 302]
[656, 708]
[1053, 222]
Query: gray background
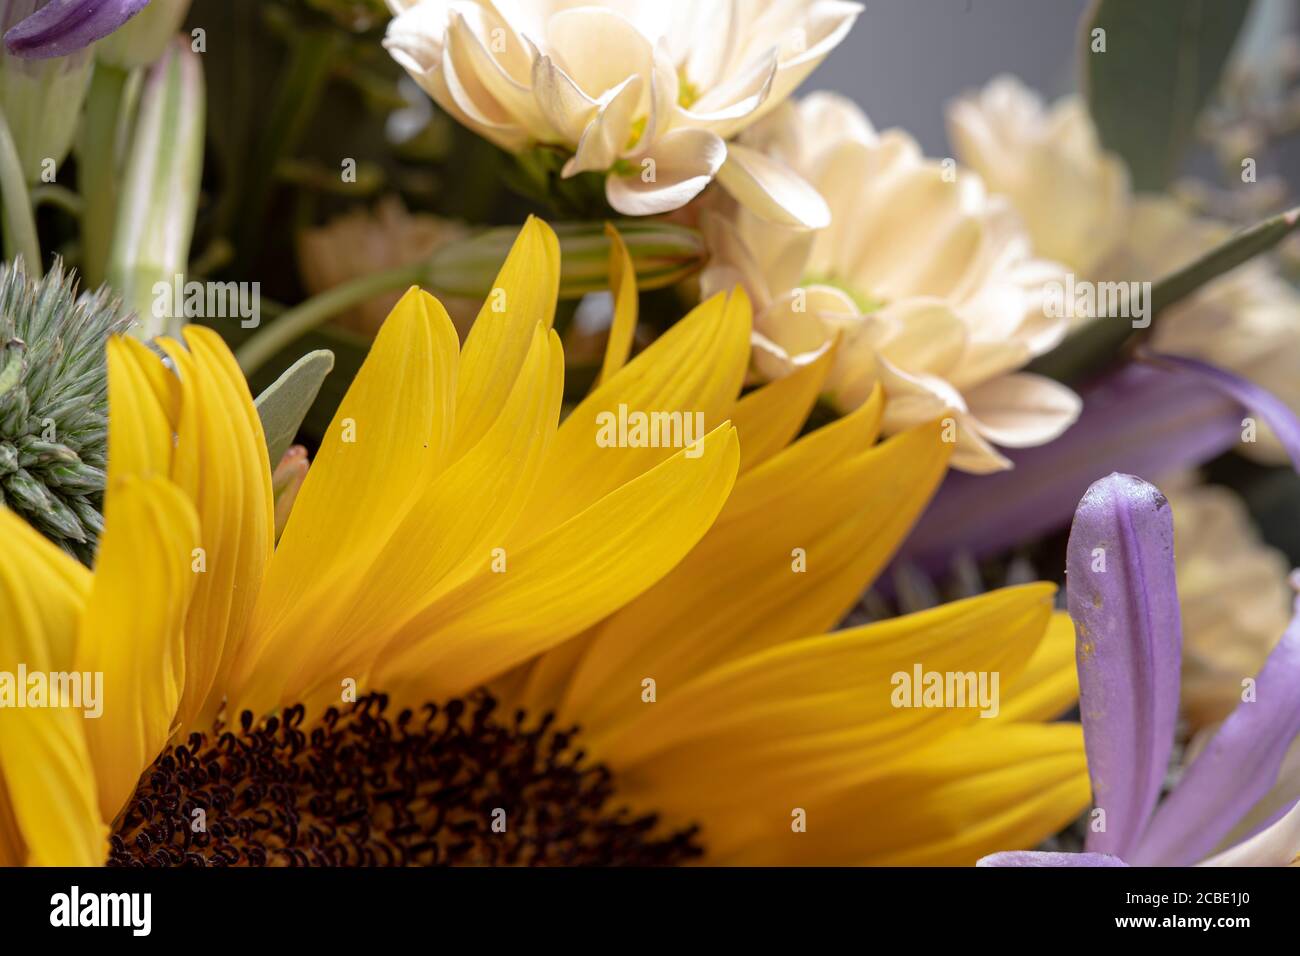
[905, 59]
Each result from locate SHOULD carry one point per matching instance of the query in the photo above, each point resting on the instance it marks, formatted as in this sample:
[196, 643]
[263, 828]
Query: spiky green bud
[54, 403]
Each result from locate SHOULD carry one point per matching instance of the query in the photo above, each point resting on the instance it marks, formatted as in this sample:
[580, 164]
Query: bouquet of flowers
[542, 432]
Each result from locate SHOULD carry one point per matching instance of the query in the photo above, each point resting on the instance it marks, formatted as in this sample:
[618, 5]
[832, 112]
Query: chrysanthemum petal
[132, 630]
[771, 190]
[569, 578]
[676, 169]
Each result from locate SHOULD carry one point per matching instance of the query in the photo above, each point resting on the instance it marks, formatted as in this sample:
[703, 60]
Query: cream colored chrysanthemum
[363, 242]
[929, 281]
[1071, 193]
[1248, 321]
[646, 91]
[1234, 595]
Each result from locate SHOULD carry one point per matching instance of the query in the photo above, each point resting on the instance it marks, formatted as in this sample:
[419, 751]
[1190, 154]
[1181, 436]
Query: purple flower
[1124, 602]
[1149, 419]
[61, 27]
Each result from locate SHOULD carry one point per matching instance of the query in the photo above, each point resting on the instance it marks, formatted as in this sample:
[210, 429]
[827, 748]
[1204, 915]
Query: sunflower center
[450, 785]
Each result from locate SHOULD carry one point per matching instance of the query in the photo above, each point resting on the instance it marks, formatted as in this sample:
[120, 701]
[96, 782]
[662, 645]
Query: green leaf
[284, 405]
[1099, 342]
[1161, 63]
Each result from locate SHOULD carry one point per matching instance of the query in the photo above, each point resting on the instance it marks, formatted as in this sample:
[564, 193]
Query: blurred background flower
[365, 241]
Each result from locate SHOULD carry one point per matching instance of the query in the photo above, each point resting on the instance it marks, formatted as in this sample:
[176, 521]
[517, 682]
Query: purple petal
[1122, 596]
[1142, 420]
[1036, 858]
[62, 27]
[1259, 401]
[1234, 771]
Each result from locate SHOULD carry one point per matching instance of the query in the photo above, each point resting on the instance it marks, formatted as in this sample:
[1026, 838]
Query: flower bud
[160, 195]
[664, 254]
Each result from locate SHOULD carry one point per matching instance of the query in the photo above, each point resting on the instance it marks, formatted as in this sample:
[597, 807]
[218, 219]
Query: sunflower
[482, 638]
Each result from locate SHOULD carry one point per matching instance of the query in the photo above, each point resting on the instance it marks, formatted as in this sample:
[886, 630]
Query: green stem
[19, 222]
[319, 309]
[1101, 342]
[99, 169]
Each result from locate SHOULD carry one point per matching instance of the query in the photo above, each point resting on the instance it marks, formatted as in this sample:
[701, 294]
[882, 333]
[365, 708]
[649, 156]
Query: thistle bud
[54, 403]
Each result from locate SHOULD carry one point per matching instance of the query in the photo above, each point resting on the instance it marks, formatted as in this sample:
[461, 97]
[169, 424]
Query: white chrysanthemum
[1071, 194]
[648, 91]
[929, 282]
[1247, 321]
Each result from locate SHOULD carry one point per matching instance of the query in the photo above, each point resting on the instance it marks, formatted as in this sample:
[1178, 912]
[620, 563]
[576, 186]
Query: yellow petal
[770, 570]
[694, 369]
[769, 417]
[567, 579]
[132, 630]
[779, 710]
[388, 440]
[826, 448]
[458, 520]
[977, 793]
[523, 295]
[970, 794]
[1049, 685]
[256, 524]
[622, 285]
[140, 423]
[49, 781]
[13, 849]
[220, 464]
